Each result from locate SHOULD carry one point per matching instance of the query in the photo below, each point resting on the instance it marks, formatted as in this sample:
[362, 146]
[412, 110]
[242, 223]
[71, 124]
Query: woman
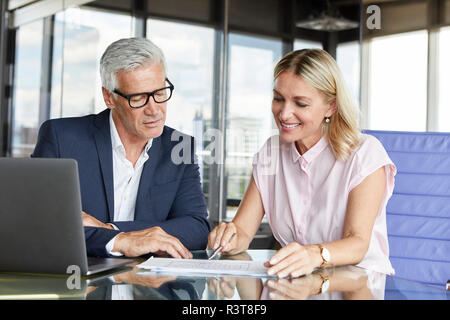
[322, 183]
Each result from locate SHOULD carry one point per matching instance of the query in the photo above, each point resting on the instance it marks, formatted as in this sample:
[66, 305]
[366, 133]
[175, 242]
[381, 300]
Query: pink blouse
[305, 197]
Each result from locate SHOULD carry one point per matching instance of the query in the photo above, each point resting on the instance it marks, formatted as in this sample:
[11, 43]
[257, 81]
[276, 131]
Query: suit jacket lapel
[148, 171]
[103, 142]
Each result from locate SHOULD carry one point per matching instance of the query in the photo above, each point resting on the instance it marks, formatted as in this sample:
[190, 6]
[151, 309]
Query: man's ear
[109, 98]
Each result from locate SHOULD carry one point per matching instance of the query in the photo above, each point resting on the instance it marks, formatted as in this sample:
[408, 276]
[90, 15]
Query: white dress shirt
[126, 180]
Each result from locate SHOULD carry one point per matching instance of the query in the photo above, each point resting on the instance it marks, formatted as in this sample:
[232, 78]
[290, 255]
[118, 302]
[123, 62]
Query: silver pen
[220, 248]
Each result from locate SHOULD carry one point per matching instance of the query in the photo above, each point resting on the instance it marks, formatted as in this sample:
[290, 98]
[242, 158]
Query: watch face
[325, 286]
[326, 254]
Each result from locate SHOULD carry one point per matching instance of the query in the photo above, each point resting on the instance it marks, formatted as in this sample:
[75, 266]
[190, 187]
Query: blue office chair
[418, 214]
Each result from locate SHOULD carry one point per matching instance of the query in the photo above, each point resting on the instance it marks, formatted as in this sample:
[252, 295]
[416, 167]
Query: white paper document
[206, 267]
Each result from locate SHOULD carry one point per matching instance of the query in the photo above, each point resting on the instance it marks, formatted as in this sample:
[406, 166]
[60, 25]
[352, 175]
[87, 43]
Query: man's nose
[151, 108]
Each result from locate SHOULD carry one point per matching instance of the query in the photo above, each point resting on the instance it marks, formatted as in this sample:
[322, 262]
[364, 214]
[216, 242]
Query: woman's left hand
[294, 260]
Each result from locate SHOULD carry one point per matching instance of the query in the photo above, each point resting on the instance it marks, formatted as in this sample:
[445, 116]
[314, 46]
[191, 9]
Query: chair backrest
[418, 213]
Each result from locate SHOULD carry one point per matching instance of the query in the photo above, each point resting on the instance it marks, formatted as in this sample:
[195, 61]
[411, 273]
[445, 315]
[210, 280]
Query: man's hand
[90, 221]
[132, 277]
[151, 240]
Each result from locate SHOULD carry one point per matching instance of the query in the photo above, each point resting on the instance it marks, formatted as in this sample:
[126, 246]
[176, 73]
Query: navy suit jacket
[169, 196]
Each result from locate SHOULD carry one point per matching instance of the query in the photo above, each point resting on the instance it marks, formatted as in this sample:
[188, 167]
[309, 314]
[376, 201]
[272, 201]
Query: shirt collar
[115, 138]
[312, 153]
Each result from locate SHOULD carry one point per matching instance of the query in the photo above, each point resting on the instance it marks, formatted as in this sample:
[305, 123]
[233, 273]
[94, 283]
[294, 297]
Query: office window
[306, 44]
[27, 81]
[249, 120]
[348, 58]
[444, 80]
[189, 53]
[80, 38]
[398, 82]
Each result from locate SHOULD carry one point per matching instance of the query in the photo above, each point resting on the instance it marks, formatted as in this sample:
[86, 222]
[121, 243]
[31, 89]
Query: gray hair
[126, 55]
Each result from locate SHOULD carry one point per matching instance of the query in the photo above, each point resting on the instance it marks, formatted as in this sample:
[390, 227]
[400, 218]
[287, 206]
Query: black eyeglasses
[138, 100]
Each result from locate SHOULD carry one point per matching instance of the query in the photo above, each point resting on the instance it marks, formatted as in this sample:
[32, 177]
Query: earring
[327, 119]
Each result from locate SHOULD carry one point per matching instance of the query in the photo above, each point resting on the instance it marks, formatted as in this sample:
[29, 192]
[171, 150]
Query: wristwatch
[325, 254]
[325, 283]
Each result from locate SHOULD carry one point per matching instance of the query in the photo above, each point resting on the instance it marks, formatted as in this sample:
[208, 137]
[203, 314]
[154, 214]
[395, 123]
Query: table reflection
[132, 283]
[345, 283]
[245, 288]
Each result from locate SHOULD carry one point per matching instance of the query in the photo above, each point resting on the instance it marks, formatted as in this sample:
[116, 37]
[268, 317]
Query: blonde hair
[320, 70]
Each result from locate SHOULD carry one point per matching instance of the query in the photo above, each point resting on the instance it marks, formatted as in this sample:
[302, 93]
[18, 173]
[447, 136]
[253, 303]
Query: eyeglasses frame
[149, 94]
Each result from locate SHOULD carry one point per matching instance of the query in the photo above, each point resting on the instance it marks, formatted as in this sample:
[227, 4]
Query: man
[135, 198]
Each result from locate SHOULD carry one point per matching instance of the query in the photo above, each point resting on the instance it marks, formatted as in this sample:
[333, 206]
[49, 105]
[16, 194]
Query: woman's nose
[286, 111]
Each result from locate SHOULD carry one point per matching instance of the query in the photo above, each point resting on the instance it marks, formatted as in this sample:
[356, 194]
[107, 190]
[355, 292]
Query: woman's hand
[244, 225]
[223, 287]
[222, 235]
[294, 260]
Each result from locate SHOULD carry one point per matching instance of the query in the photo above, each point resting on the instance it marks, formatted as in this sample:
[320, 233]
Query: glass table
[132, 283]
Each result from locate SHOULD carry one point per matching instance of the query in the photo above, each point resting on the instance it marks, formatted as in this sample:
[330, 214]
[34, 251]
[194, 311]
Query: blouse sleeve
[371, 156]
[265, 162]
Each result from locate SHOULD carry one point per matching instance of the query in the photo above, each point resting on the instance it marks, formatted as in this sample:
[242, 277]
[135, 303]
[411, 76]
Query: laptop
[41, 228]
